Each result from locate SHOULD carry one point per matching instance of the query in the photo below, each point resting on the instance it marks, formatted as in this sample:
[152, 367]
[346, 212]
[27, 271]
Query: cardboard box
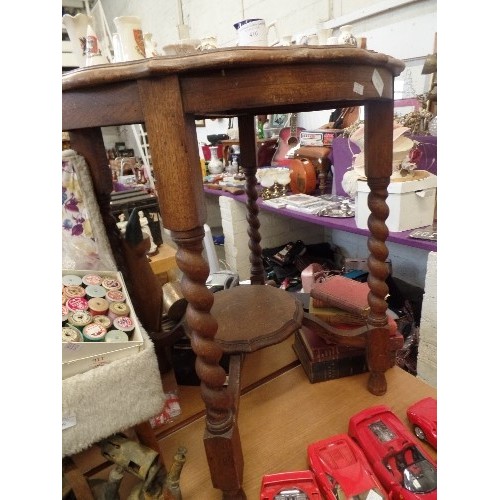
[318, 137]
[82, 365]
[411, 203]
[79, 357]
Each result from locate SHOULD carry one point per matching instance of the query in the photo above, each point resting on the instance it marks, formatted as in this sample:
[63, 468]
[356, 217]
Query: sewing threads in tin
[71, 280]
[93, 291]
[116, 336]
[77, 304]
[74, 291]
[94, 332]
[124, 323]
[79, 319]
[91, 279]
[111, 284]
[98, 306]
[115, 296]
[65, 313]
[117, 309]
[71, 334]
[103, 320]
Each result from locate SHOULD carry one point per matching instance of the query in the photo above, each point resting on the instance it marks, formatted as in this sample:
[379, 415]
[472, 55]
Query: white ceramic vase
[93, 54]
[131, 38]
[76, 26]
[215, 165]
[346, 37]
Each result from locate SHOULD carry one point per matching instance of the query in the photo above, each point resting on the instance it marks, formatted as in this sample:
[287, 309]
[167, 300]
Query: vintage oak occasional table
[167, 94]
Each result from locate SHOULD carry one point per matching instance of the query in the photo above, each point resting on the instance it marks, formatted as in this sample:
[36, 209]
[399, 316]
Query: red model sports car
[342, 471]
[423, 416]
[298, 485]
[405, 470]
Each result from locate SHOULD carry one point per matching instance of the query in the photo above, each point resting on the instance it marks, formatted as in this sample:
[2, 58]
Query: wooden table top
[278, 419]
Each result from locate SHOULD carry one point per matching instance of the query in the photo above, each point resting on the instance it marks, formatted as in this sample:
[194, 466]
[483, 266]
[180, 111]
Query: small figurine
[122, 223]
[147, 231]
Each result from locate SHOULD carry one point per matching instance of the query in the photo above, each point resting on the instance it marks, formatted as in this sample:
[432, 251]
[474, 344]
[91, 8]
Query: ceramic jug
[76, 27]
[131, 38]
[346, 37]
[93, 54]
[254, 32]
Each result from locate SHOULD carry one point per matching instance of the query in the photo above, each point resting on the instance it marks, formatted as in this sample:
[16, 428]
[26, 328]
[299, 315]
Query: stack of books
[326, 361]
[342, 303]
[340, 309]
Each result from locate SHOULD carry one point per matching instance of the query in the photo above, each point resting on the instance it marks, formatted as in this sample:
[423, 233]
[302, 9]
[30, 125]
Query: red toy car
[423, 416]
[342, 471]
[298, 485]
[405, 470]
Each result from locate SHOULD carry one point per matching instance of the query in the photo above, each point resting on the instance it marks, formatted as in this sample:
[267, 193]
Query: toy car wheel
[419, 433]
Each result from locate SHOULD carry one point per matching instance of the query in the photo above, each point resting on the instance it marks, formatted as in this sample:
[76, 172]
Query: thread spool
[79, 319]
[74, 291]
[94, 332]
[71, 334]
[103, 320]
[91, 279]
[98, 306]
[115, 296]
[125, 324]
[65, 312]
[116, 336]
[118, 309]
[93, 291]
[111, 284]
[77, 304]
[71, 280]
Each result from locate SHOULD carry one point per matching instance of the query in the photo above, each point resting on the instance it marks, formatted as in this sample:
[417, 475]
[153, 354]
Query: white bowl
[183, 47]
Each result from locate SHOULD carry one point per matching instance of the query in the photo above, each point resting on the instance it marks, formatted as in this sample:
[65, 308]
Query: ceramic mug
[254, 32]
[131, 38]
[323, 35]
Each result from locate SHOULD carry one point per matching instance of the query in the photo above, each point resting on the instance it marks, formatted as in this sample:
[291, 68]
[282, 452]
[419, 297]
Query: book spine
[320, 303]
[337, 302]
[336, 319]
[329, 351]
[329, 370]
[317, 353]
